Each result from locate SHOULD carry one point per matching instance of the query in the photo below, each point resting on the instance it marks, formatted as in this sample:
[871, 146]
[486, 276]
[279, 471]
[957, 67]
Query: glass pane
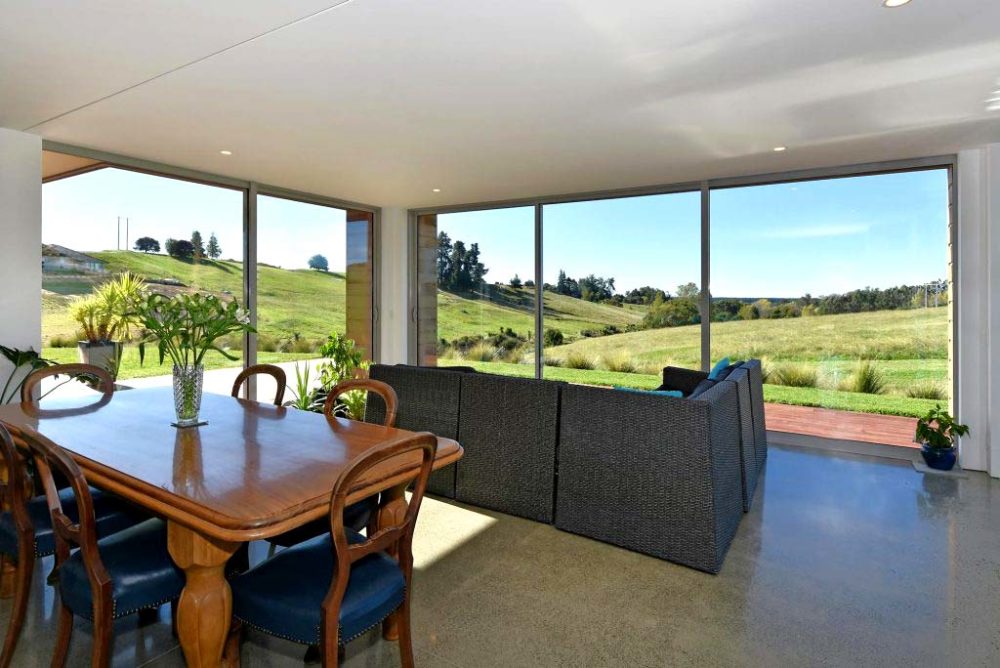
[302, 284]
[841, 287]
[483, 265]
[621, 288]
[99, 224]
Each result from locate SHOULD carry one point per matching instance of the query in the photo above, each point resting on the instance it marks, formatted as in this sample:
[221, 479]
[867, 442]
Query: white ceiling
[380, 101]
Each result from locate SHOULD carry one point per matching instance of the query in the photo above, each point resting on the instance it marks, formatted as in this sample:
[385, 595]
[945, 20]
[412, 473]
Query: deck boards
[843, 425]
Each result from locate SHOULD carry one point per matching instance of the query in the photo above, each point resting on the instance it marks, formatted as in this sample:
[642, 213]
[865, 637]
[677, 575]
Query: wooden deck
[842, 425]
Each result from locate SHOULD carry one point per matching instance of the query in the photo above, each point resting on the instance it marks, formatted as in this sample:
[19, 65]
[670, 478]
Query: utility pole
[126, 233]
[118, 236]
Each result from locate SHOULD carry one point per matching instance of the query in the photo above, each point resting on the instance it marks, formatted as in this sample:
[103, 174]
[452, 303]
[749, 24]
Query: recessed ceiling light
[779, 149]
[437, 190]
[892, 4]
[225, 152]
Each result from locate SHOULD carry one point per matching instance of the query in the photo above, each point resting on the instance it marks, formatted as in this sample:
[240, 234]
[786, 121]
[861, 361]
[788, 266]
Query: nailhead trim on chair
[318, 639]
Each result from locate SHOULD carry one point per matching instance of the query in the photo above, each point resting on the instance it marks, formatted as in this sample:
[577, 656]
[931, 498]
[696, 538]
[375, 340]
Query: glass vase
[187, 394]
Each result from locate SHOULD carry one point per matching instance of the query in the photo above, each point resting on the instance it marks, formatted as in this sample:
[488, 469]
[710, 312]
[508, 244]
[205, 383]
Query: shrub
[927, 391]
[576, 360]
[181, 249]
[60, 341]
[553, 361]
[553, 337]
[866, 379]
[268, 344]
[621, 363]
[481, 352]
[793, 375]
[304, 346]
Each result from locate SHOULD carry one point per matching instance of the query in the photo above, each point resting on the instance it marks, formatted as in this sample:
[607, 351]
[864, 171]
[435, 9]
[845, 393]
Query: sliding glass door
[621, 286]
[840, 286]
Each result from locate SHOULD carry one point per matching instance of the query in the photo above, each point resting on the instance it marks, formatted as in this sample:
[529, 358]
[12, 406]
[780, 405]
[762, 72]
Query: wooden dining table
[252, 472]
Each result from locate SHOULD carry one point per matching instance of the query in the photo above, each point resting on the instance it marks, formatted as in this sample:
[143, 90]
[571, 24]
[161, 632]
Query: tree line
[183, 249]
[459, 269]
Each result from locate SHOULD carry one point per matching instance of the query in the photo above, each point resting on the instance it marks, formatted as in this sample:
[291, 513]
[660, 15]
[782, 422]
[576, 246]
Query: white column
[394, 311]
[978, 307]
[20, 242]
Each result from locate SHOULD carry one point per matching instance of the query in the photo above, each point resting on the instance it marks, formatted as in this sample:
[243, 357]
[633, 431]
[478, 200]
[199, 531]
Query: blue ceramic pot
[942, 459]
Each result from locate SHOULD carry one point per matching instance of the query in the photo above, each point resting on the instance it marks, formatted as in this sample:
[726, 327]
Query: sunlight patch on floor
[442, 527]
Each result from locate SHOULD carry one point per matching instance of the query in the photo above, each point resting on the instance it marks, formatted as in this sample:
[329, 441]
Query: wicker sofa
[656, 474]
[749, 382]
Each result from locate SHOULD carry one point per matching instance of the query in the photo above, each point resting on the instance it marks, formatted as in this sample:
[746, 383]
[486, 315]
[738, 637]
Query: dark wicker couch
[659, 475]
[748, 378]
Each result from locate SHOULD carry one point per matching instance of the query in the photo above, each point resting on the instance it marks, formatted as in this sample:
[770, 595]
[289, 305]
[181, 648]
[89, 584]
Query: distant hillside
[311, 303]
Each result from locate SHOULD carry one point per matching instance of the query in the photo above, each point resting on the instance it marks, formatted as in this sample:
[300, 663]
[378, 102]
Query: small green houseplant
[184, 328]
[937, 433]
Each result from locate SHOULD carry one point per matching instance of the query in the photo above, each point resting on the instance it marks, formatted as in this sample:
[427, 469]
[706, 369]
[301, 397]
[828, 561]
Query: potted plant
[184, 329]
[107, 320]
[937, 432]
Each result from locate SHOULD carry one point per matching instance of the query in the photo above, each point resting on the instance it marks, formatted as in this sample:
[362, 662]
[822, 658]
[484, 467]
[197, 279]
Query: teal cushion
[719, 366]
[662, 393]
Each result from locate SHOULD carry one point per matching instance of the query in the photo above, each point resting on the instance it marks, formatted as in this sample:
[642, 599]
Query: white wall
[394, 274]
[978, 307]
[21, 247]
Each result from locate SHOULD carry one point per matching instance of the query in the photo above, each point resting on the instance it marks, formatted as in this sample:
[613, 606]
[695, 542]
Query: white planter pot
[102, 354]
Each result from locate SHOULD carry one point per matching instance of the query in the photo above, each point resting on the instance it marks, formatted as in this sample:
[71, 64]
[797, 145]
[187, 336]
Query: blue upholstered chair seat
[141, 570]
[112, 513]
[355, 517]
[284, 595]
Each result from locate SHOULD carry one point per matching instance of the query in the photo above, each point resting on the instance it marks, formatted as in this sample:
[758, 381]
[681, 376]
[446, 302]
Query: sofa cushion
[658, 391]
[702, 387]
[718, 368]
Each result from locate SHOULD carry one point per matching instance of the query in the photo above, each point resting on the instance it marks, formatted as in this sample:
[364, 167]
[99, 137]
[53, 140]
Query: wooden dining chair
[100, 378]
[383, 390]
[275, 372]
[357, 514]
[105, 578]
[26, 532]
[335, 587]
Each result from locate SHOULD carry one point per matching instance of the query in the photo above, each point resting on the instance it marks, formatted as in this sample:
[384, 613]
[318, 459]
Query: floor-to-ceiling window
[622, 282]
[313, 278]
[840, 286]
[177, 236]
[481, 265]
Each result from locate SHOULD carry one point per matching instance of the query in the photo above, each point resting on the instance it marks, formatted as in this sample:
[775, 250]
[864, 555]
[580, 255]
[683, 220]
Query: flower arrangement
[184, 328]
[187, 326]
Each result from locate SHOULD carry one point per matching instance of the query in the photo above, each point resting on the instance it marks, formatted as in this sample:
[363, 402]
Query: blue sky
[780, 240]
[776, 241]
[81, 213]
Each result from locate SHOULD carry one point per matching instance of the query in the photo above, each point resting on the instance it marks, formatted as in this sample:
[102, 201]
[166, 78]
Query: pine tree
[213, 249]
[199, 245]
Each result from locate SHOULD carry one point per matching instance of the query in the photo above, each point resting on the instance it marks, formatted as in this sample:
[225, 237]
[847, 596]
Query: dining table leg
[206, 604]
[392, 512]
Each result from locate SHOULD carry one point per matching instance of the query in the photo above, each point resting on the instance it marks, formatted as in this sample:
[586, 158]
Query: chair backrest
[105, 383]
[68, 534]
[14, 490]
[275, 372]
[394, 532]
[378, 387]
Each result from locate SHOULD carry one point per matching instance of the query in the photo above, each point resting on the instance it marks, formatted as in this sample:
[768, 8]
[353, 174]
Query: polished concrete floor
[844, 561]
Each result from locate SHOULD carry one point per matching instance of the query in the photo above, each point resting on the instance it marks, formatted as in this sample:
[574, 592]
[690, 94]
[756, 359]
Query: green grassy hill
[514, 308]
[289, 301]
